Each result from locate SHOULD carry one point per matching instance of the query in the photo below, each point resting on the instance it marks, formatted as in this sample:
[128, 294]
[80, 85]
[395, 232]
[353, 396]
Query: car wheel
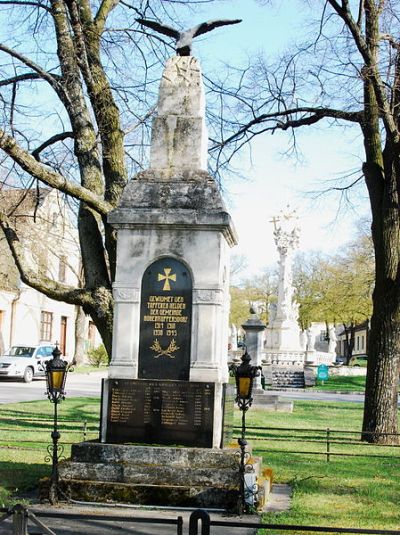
[28, 375]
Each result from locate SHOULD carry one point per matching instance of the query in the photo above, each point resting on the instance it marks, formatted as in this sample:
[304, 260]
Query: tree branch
[105, 9]
[103, 102]
[50, 177]
[20, 78]
[368, 52]
[20, 3]
[52, 80]
[54, 290]
[51, 141]
[316, 114]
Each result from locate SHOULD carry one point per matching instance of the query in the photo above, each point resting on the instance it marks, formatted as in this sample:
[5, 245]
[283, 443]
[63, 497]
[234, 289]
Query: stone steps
[157, 495]
[149, 475]
[287, 378]
[153, 455]
[146, 474]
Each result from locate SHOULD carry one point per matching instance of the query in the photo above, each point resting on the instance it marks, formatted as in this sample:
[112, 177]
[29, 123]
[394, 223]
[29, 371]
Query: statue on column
[286, 234]
[283, 331]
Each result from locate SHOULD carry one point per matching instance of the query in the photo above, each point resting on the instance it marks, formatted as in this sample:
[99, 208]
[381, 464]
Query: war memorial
[166, 404]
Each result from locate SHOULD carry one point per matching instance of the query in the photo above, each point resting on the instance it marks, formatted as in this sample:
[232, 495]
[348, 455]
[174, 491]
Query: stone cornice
[193, 220]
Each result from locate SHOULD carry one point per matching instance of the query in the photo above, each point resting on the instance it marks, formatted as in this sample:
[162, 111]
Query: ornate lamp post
[244, 376]
[56, 374]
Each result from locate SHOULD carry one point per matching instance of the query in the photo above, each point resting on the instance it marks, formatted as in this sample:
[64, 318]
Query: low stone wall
[347, 371]
[344, 371]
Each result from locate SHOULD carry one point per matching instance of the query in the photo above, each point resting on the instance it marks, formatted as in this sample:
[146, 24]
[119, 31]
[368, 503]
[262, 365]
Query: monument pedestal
[146, 475]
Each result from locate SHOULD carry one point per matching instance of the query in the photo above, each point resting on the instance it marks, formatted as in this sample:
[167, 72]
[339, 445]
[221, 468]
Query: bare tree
[347, 74]
[77, 90]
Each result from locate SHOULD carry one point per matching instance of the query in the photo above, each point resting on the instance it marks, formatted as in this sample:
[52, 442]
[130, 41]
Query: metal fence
[198, 523]
[34, 432]
[325, 442]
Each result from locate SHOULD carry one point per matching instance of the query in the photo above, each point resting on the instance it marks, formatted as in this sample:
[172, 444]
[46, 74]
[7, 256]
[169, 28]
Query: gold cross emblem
[167, 277]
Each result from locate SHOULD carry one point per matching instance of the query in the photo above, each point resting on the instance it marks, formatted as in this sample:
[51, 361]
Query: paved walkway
[90, 519]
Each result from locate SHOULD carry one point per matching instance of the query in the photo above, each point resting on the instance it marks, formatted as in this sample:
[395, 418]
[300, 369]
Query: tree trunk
[80, 324]
[102, 315]
[382, 172]
[350, 347]
[380, 411]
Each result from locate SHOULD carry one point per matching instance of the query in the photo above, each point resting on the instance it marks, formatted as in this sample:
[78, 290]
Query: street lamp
[56, 374]
[244, 376]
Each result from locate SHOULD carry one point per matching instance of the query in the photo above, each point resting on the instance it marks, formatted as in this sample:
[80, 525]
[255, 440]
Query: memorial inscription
[160, 412]
[165, 321]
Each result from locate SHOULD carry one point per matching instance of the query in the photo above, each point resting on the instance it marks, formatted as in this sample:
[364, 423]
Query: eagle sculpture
[184, 39]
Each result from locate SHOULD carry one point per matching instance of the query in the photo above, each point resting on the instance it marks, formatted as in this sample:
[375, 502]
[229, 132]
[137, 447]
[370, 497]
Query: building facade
[45, 228]
[353, 341]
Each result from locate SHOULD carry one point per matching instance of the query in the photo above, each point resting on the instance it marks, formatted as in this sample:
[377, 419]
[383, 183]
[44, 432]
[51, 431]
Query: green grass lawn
[23, 444]
[345, 492]
[87, 368]
[341, 383]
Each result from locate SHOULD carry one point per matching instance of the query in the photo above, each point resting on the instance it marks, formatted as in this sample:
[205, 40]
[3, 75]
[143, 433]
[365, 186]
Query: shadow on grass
[78, 409]
[19, 476]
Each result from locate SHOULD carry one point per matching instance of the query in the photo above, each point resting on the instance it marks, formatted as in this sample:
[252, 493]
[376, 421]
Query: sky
[274, 181]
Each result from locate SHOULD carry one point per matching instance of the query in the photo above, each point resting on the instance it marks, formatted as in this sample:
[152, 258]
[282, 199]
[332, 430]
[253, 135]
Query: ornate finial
[184, 39]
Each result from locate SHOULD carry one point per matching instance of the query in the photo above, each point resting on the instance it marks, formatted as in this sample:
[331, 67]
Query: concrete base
[279, 499]
[271, 402]
[148, 475]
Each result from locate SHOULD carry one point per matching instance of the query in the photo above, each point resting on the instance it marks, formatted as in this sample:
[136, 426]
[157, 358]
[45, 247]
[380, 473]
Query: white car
[25, 362]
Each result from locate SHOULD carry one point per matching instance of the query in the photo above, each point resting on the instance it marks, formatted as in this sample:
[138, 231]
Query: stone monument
[283, 340]
[163, 416]
[287, 348]
[174, 237]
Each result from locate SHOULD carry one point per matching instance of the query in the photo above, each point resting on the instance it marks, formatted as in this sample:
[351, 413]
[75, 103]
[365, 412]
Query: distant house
[50, 240]
[353, 341]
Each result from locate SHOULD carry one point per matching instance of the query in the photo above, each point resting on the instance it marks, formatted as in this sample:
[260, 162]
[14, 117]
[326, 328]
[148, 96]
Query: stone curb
[338, 392]
[309, 391]
[279, 499]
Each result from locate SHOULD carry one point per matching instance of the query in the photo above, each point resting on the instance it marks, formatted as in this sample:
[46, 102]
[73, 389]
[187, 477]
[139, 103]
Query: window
[62, 268]
[322, 336]
[362, 342]
[46, 324]
[358, 342]
[63, 335]
[41, 352]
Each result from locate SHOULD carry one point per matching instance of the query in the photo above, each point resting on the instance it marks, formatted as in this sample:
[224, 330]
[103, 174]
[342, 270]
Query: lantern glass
[56, 379]
[56, 374]
[244, 387]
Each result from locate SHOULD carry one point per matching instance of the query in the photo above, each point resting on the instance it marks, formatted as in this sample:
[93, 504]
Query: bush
[98, 356]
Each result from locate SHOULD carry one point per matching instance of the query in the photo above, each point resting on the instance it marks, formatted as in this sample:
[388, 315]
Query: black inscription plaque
[165, 321]
[160, 412]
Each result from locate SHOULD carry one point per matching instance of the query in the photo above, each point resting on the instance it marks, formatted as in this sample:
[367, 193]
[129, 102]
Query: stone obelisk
[174, 237]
